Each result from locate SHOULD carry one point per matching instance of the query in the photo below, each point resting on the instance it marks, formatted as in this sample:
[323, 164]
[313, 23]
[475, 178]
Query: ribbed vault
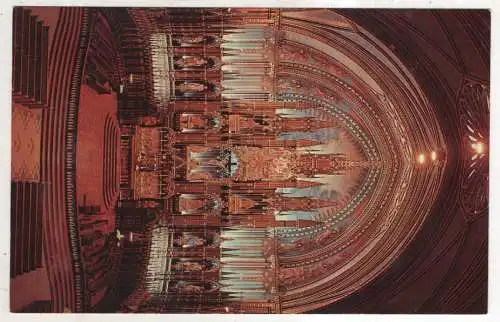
[347, 72]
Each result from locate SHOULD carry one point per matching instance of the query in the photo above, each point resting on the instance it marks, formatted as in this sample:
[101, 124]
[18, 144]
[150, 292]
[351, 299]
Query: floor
[97, 129]
[97, 175]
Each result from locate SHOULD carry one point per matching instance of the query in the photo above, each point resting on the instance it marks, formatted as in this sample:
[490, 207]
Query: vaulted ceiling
[410, 88]
[444, 268]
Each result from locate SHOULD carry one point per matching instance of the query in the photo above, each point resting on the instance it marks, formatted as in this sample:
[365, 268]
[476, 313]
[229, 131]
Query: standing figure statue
[192, 87]
[194, 40]
[189, 241]
[193, 61]
[195, 266]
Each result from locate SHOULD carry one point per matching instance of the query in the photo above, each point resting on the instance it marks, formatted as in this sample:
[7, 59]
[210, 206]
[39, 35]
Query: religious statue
[192, 87]
[193, 288]
[195, 88]
[189, 241]
[195, 266]
[193, 61]
[193, 39]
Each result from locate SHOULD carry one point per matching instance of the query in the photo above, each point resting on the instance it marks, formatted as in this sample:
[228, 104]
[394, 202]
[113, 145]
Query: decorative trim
[70, 164]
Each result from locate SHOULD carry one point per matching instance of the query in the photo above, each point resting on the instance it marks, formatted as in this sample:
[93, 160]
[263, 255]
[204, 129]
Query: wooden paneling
[26, 227]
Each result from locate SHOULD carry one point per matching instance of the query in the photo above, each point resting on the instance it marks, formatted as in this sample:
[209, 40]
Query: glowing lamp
[421, 158]
[478, 147]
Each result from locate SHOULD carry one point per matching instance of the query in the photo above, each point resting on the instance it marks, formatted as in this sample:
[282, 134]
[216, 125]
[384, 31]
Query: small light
[478, 147]
[226, 309]
[421, 158]
[433, 155]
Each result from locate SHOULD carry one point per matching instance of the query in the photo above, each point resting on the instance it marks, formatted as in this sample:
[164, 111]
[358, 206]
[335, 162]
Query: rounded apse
[347, 74]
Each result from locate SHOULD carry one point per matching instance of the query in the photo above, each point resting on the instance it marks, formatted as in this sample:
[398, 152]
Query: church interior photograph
[249, 160]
